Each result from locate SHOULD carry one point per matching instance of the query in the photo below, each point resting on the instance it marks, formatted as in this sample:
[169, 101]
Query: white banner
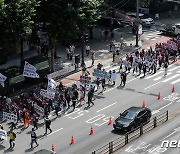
[2, 79]
[61, 72]
[39, 110]
[3, 134]
[47, 94]
[9, 117]
[51, 85]
[30, 71]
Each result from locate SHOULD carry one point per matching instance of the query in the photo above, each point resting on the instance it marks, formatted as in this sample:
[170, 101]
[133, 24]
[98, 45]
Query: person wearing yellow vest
[12, 137]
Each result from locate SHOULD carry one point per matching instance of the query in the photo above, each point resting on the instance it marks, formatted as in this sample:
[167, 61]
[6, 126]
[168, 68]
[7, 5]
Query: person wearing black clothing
[33, 138]
[35, 121]
[61, 86]
[47, 125]
[124, 78]
[90, 95]
[144, 69]
[74, 102]
[68, 99]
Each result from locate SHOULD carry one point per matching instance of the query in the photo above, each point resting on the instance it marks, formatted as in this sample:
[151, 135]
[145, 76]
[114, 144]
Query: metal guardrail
[120, 142]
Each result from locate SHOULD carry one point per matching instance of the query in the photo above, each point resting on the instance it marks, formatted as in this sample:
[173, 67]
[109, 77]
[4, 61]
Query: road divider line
[172, 77]
[157, 111]
[49, 134]
[152, 85]
[106, 107]
[154, 75]
[174, 68]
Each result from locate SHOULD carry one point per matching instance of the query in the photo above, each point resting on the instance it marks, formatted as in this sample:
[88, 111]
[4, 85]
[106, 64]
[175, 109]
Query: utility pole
[137, 21]
[82, 49]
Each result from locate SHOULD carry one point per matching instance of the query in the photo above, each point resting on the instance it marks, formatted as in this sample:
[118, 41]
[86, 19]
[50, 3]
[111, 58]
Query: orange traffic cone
[110, 121]
[159, 96]
[91, 131]
[143, 104]
[72, 140]
[173, 89]
[52, 149]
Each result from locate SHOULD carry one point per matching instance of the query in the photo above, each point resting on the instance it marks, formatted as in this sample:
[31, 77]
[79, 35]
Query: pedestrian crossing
[151, 35]
[172, 77]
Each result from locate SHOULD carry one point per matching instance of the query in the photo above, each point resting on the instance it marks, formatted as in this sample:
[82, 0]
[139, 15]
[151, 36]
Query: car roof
[135, 109]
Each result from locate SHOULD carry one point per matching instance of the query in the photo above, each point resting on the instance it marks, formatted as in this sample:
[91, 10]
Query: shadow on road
[118, 132]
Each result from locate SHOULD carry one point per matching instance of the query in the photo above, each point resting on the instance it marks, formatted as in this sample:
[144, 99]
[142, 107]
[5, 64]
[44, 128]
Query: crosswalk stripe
[171, 78]
[153, 75]
[178, 72]
[160, 77]
[113, 68]
[178, 80]
[174, 68]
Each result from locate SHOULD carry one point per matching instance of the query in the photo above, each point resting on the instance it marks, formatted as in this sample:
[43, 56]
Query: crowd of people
[67, 98]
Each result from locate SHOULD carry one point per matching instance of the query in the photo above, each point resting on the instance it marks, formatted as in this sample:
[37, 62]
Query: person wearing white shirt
[87, 50]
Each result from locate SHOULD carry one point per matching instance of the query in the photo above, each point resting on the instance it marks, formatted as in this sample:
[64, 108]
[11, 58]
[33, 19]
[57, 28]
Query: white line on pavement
[165, 106]
[168, 135]
[171, 78]
[49, 134]
[160, 77]
[153, 75]
[157, 111]
[106, 107]
[174, 68]
[175, 81]
[152, 85]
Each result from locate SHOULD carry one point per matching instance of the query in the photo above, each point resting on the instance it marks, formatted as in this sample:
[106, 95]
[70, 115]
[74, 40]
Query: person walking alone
[47, 125]
[165, 68]
[33, 138]
[93, 58]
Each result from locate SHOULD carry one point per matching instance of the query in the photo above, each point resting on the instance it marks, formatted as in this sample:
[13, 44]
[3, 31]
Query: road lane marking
[152, 85]
[153, 75]
[175, 81]
[158, 78]
[157, 111]
[49, 134]
[165, 106]
[106, 107]
[174, 68]
[171, 78]
[175, 130]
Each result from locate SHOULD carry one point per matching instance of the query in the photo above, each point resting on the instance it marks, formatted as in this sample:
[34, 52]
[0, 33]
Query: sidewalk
[101, 48]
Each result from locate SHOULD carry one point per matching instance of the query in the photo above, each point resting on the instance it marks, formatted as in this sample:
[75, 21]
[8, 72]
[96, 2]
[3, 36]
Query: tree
[17, 20]
[67, 18]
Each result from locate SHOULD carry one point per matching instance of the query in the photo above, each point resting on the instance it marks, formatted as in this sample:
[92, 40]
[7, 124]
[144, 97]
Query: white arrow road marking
[175, 130]
[106, 107]
[49, 134]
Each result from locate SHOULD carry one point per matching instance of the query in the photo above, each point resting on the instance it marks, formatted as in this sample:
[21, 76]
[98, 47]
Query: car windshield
[128, 115]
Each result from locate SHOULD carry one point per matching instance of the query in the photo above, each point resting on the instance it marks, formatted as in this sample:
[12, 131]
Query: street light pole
[137, 21]
[82, 50]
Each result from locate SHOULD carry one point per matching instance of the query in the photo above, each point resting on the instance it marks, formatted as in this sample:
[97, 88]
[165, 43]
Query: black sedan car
[132, 118]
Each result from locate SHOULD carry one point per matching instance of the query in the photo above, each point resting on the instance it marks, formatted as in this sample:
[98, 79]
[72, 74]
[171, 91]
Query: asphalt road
[114, 101]
[150, 143]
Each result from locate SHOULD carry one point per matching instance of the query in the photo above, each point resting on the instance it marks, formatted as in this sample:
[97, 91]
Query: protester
[12, 137]
[47, 125]
[33, 138]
